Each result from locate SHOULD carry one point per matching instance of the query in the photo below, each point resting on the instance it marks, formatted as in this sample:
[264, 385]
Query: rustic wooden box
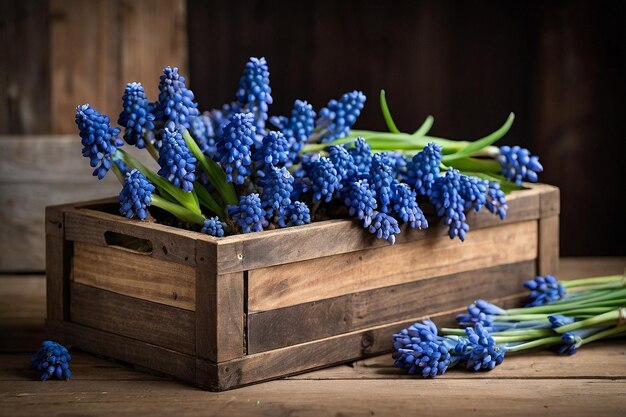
[222, 313]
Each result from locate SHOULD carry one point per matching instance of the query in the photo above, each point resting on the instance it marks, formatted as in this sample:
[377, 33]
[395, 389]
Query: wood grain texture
[135, 275]
[276, 247]
[154, 323]
[99, 45]
[288, 326]
[220, 316]
[290, 284]
[548, 260]
[58, 258]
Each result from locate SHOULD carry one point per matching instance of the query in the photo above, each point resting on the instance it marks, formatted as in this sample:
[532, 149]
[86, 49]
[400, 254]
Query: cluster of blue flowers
[52, 360]
[136, 195]
[136, 115]
[177, 163]
[544, 290]
[254, 92]
[337, 118]
[518, 164]
[176, 102]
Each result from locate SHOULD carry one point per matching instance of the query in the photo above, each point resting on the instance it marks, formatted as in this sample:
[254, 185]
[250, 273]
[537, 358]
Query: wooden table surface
[590, 383]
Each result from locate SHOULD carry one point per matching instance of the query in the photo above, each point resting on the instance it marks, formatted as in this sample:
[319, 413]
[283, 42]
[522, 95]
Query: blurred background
[559, 65]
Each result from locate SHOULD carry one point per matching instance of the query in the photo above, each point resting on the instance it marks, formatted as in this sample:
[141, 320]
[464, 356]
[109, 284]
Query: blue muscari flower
[297, 128]
[361, 201]
[277, 186]
[344, 163]
[405, 206]
[233, 147]
[254, 91]
[449, 203]
[337, 118]
[295, 214]
[518, 164]
[398, 162]
[423, 169]
[572, 340]
[361, 154]
[176, 102]
[544, 290]
[98, 138]
[274, 150]
[221, 117]
[136, 195]
[324, 179]
[558, 320]
[249, 213]
[480, 312]
[496, 200]
[473, 190]
[52, 360]
[202, 132]
[176, 160]
[384, 227]
[213, 226]
[381, 175]
[136, 115]
[482, 351]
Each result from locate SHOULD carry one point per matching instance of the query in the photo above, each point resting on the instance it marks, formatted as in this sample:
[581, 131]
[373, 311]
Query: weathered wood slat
[301, 323]
[297, 283]
[548, 260]
[58, 255]
[134, 275]
[157, 324]
[258, 250]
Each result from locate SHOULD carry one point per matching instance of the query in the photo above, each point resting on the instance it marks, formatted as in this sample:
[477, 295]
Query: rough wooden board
[287, 326]
[548, 261]
[58, 253]
[135, 275]
[276, 247]
[22, 312]
[316, 279]
[100, 45]
[158, 324]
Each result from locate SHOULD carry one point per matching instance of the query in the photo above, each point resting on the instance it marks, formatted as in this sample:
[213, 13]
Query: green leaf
[481, 143]
[207, 200]
[386, 114]
[425, 127]
[182, 213]
[216, 174]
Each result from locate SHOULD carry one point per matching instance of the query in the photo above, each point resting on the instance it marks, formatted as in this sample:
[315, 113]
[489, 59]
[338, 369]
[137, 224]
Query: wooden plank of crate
[301, 323]
[158, 324]
[275, 247]
[99, 342]
[316, 279]
[548, 260]
[135, 275]
[220, 308]
[168, 243]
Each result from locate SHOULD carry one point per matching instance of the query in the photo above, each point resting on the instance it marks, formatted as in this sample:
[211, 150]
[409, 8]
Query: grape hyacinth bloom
[233, 147]
[558, 320]
[221, 117]
[405, 206]
[213, 227]
[362, 157]
[52, 360]
[277, 186]
[176, 160]
[398, 163]
[337, 118]
[423, 169]
[98, 138]
[343, 162]
[518, 164]
[361, 201]
[448, 201]
[254, 91]
[249, 214]
[136, 115]
[384, 227]
[295, 214]
[480, 312]
[495, 200]
[381, 175]
[573, 339]
[176, 102]
[202, 132]
[474, 191]
[273, 151]
[544, 290]
[482, 351]
[324, 178]
[136, 195]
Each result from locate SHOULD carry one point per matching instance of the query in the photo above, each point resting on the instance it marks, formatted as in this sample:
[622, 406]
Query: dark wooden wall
[559, 65]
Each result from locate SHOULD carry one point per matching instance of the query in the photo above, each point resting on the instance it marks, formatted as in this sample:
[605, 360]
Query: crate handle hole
[130, 243]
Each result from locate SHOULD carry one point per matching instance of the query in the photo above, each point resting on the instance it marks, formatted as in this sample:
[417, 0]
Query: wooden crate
[223, 313]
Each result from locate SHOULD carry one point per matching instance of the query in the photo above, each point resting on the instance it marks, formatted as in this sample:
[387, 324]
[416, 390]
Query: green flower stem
[552, 340]
[118, 173]
[611, 279]
[152, 150]
[216, 174]
[552, 308]
[188, 200]
[386, 114]
[614, 331]
[474, 164]
[179, 211]
[519, 334]
[207, 200]
[610, 317]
